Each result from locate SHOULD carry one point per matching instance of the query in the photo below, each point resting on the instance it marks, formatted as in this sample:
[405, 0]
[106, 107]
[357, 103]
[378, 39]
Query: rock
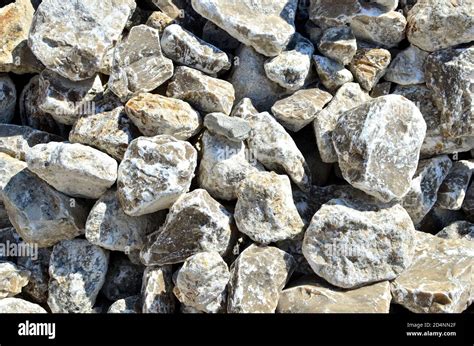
[157, 291]
[329, 13]
[332, 74]
[19, 306]
[12, 279]
[72, 40]
[39, 213]
[204, 93]
[195, 223]
[8, 237]
[123, 278]
[338, 43]
[374, 25]
[468, 204]
[291, 68]
[154, 173]
[224, 164]
[378, 153]
[129, 305]
[7, 99]
[448, 74]
[353, 243]
[440, 278]
[77, 271]
[216, 36]
[265, 210]
[381, 89]
[187, 49]
[369, 65]
[38, 266]
[386, 5]
[202, 281]
[438, 218]
[265, 26]
[65, 100]
[301, 108]
[272, 145]
[348, 96]
[408, 67]
[74, 169]
[452, 191]
[159, 115]
[232, 128]
[111, 132]
[312, 295]
[458, 230]
[139, 65]
[425, 185]
[257, 279]
[434, 25]
[109, 227]
[159, 20]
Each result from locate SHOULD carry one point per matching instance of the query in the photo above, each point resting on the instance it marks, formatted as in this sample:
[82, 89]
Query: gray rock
[329, 13]
[123, 278]
[381, 89]
[408, 67]
[159, 20]
[468, 204]
[452, 191]
[338, 43]
[19, 306]
[458, 230]
[234, 129]
[12, 279]
[7, 99]
[157, 291]
[369, 65]
[332, 74]
[38, 266]
[129, 305]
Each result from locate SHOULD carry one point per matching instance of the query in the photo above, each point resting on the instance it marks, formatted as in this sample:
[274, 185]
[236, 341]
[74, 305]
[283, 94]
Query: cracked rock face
[123, 279]
[369, 65]
[338, 43]
[157, 291]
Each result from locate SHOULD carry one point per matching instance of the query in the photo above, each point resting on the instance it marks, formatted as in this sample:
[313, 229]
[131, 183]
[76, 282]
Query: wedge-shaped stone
[369, 65]
[157, 291]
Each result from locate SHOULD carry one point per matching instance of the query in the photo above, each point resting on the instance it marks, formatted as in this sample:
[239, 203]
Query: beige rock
[338, 43]
[19, 306]
[159, 20]
[12, 279]
[369, 65]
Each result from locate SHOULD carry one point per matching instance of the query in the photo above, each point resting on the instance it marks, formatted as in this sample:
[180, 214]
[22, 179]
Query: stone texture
[12, 279]
[123, 279]
[157, 291]
[458, 230]
[129, 305]
[155, 171]
[19, 306]
[452, 191]
[7, 99]
[408, 67]
[159, 20]
[232, 128]
[329, 13]
[468, 204]
[369, 65]
[352, 243]
[332, 74]
[38, 266]
[338, 43]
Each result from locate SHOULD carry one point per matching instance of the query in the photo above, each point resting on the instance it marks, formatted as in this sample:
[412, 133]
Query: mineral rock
[72, 40]
[458, 230]
[159, 115]
[267, 26]
[12, 279]
[38, 266]
[234, 129]
[77, 271]
[159, 20]
[185, 48]
[440, 278]
[154, 173]
[265, 210]
[434, 25]
[352, 243]
[74, 169]
[338, 43]
[129, 305]
[331, 73]
[138, 64]
[408, 67]
[201, 282]
[301, 108]
[7, 99]
[123, 278]
[19, 306]
[329, 13]
[157, 291]
[195, 223]
[452, 191]
[468, 204]
[204, 93]
[369, 65]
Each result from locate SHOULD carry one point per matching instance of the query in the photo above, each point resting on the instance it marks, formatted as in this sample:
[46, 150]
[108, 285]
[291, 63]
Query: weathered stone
[12, 279]
[154, 173]
[408, 67]
[123, 279]
[185, 48]
[338, 43]
[378, 152]
[424, 187]
[77, 271]
[452, 191]
[272, 145]
[7, 99]
[434, 25]
[19, 306]
[110, 132]
[216, 36]
[468, 204]
[352, 243]
[329, 13]
[195, 223]
[201, 282]
[157, 291]
[74, 169]
[234, 129]
[204, 93]
[458, 230]
[129, 305]
[267, 26]
[369, 65]
[331, 73]
[72, 40]
[440, 278]
[265, 210]
[159, 20]
[312, 295]
[159, 115]
[301, 108]
[139, 65]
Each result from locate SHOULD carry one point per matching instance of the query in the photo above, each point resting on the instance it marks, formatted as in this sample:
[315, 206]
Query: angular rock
[154, 173]
[378, 152]
[157, 291]
[7, 99]
[232, 128]
[408, 67]
[77, 271]
[129, 305]
[74, 169]
[338, 43]
[452, 191]
[12, 279]
[201, 282]
[38, 266]
[159, 115]
[202, 92]
[257, 279]
[19, 306]
[187, 49]
[332, 74]
[159, 20]
[72, 40]
[369, 65]
[458, 230]
[329, 13]
[265, 210]
[352, 243]
[123, 278]
[265, 26]
[139, 65]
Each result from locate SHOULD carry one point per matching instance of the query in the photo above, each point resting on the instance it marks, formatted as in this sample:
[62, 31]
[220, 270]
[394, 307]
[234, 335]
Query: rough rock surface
[369, 65]
[157, 291]
[452, 191]
[19, 306]
[458, 230]
[12, 279]
[331, 73]
[123, 279]
[234, 129]
[338, 43]
[329, 13]
[7, 99]
[408, 67]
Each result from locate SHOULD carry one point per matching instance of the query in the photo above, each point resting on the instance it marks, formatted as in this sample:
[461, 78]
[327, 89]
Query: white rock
[19, 306]
[408, 67]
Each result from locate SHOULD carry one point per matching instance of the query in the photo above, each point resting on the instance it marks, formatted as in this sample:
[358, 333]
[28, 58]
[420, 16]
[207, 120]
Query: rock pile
[236, 156]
